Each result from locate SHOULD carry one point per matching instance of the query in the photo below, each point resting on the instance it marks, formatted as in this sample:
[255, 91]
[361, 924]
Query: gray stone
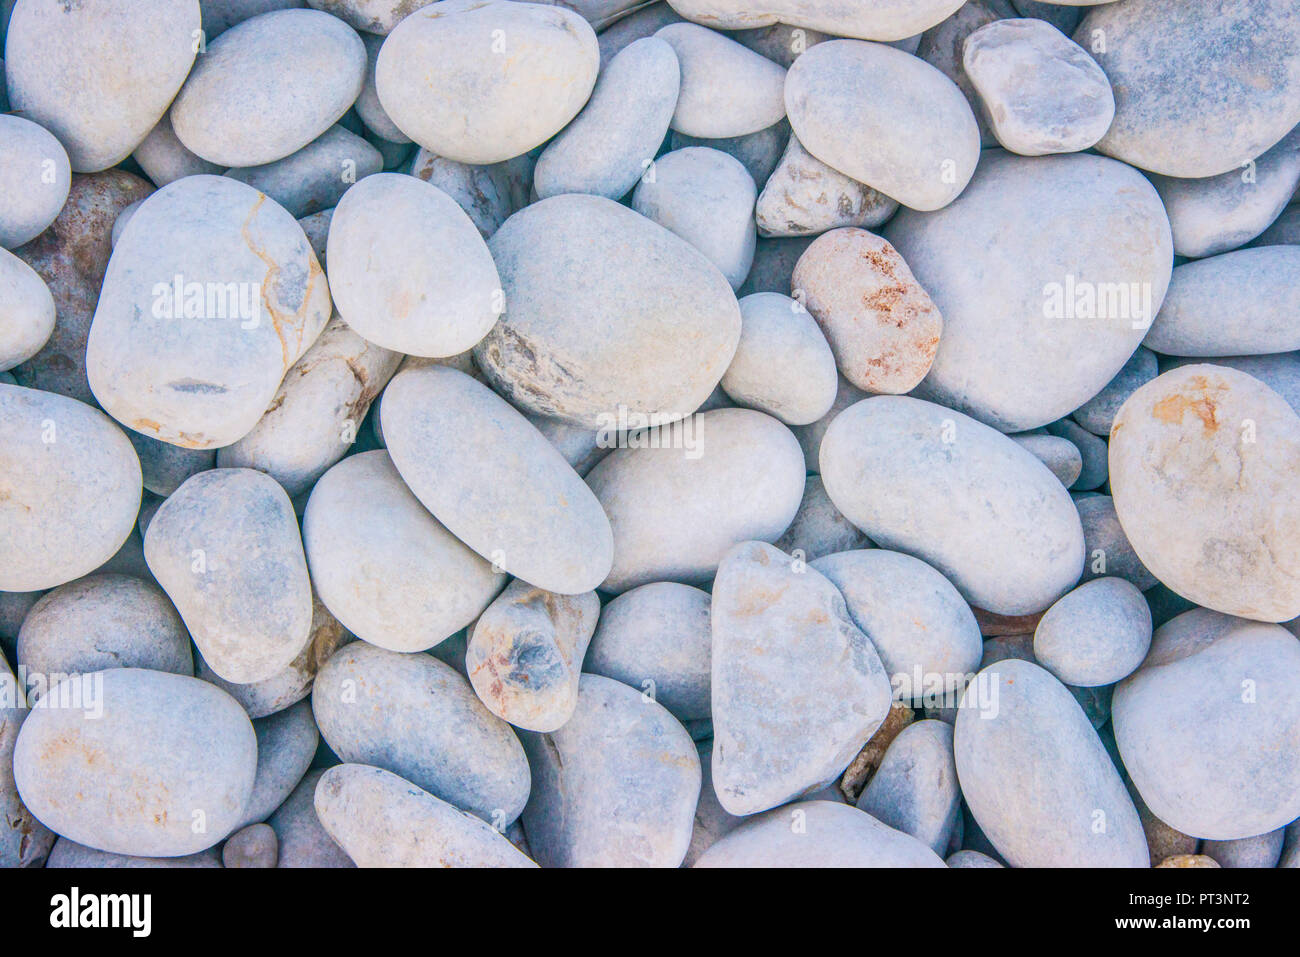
[613, 141]
[919, 478]
[819, 528]
[1060, 455]
[99, 622]
[915, 788]
[707, 198]
[185, 358]
[616, 786]
[774, 261]
[1098, 413]
[941, 47]
[810, 436]
[1048, 271]
[483, 192]
[783, 365]
[621, 316]
[888, 20]
[316, 414]
[165, 159]
[269, 86]
[916, 620]
[164, 466]
[1177, 112]
[286, 744]
[1108, 550]
[640, 23]
[968, 859]
[726, 88]
[382, 820]
[368, 107]
[758, 152]
[29, 313]
[1205, 728]
[1093, 454]
[415, 716]
[797, 687]
[385, 567]
[98, 76]
[220, 15]
[485, 81]
[166, 769]
[494, 481]
[525, 653]
[253, 846]
[1039, 91]
[24, 841]
[844, 98]
[1280, 371]
[70, 854]
[670, 494]
[1258, 285]
[372, 16]
[657, 638]
[315, 177]
[1096, 635]
[225, 547]
[34, 175]
[303, 841]
[817, 834]
[1263, 850]
[1037, 777]
[1202, 462]
[71, 489]
[804, 195]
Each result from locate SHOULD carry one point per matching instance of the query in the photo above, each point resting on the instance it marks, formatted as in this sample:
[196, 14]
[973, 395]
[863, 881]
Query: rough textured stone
[525, 653]
[24, 841]
[803, 195]
[253, 846]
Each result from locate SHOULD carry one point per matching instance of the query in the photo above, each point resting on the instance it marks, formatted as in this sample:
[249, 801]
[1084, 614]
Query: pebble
[286, 744]
[1182, 718]
[1095, 635]
[890, 21]
[615, 786]
[843, 98]
[1060, 455]
[624, 317]
[797, 688]
[976, 506]
[253, 846]
[657, 638]
[269, 86]
[1048, 272]
[437, 292]
[783, 365]
[99, 622]
[486, 81]
[315, 177]
[612, 143]
[303, 842]
[1262, 850]
[817, 834]
[1201, 461]
[969, 859]
[1039, 91]
[804, 196]
[916, 620]
[188, 359]
[1261, 285]
[413, 715]
[1177, 112]
[317, 412]
[818, 528]
[226, 549]
[71, 489]
[1097, 415]
[446, 432]
[29, 311]
[758, 152]
[24, 841]
[35, 175]
[98, 76]
[670, 494]
[183, 750]
[706, 197]
[726, 89]
[882, 325]
[381, 820]
[387, 569]
[1037, 777]
[1108, 550]
[915, 789]
[525, 653]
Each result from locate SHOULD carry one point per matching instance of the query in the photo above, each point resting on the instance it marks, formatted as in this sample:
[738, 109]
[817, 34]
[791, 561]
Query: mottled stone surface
[805, 196]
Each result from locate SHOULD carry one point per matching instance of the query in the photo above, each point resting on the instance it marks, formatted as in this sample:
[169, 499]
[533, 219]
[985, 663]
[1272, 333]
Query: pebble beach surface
[706, 433]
